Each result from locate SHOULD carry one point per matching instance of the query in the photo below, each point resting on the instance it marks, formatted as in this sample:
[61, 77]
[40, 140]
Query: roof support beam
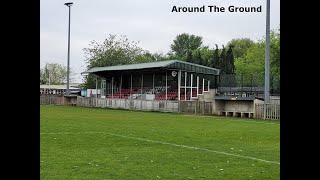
[179, 83]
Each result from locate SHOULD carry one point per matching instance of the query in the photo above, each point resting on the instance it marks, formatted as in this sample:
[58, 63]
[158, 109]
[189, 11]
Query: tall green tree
[42, 80]
[206, 54]
[184, 43]
[205, 61]
[159, 56]
[252, 64]
[189, 57]
[215, 58]
[54, 74]
[222, 60]
[275, 60]
[149, 57]
[240, 46]
[198, 58]
[230, 61]
[113, 51]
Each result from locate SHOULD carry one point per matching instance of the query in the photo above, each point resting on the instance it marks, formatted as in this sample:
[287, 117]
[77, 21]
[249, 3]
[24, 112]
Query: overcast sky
[150, 22]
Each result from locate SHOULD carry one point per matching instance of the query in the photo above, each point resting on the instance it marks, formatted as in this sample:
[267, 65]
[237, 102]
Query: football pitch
[100, 144]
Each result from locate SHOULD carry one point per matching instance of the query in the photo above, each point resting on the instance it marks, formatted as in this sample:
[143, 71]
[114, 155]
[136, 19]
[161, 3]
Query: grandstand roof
[171, 64]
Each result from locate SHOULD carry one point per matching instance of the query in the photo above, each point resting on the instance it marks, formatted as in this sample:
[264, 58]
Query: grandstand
[162, 80]
[173, 86]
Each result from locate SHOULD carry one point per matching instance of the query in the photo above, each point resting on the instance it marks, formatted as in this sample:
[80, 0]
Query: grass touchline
[166, 143]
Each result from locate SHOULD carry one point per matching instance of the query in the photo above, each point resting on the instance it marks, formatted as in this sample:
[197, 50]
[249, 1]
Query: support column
[166, 86]
[208, 85]
[112, 87]
[264, 110]
[120, 85]
[185, 85]
[202, 85]
[191, 85]
[197, 86]
[96, 90]
[179, 84]
[153, 83]
[141, 91]
[101, 87]
[131, 87]
[141, 84]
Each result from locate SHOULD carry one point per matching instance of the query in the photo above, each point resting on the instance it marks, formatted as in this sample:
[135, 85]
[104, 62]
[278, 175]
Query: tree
[113, 51]
[206, 54]
[189, 57]
[230, 61]
[215, 58]
[159, 56]
[54, 74]
[252, 64]
[222, 60]
[145, 57]
[184, 43]
[205, 61]
[198, 58]
[42, 80]
[240, 46]
[275, 60]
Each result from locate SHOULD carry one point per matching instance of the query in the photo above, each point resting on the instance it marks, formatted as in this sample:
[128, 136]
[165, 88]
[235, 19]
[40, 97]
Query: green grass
[77, 143]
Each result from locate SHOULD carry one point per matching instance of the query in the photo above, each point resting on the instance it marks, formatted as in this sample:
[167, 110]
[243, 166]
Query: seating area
[171, 95]
[157, 89]
[125, 93]
[160, 92]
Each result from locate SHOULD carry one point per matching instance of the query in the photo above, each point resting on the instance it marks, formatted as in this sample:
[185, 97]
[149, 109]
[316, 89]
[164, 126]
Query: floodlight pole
[267, 61]
[69, 4]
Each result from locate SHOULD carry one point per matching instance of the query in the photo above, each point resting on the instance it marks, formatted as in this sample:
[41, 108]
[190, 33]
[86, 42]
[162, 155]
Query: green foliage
[206, 55]
[253, 62]
[54, 74]
[275, 60]
[241, 56]
[240, 46]
[189, 57]
[116, 51]
[89, 82]
[42, 77]
[205, 62]
[198, 58]
[229, 61]
[184, 43]
[222, 60]
[112, 52]
[145, 57]
[215, 63]
[160, 57]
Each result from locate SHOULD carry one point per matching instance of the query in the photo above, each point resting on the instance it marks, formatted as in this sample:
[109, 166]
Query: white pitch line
[172, 144]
